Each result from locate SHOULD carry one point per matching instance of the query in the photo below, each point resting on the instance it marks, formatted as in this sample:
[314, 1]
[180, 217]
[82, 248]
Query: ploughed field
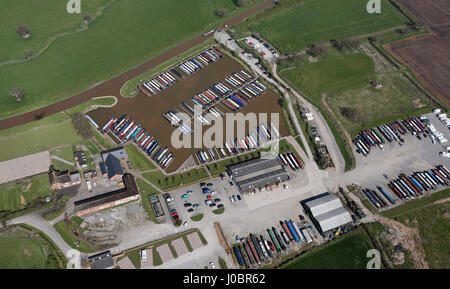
[429, 55]
[148, 110]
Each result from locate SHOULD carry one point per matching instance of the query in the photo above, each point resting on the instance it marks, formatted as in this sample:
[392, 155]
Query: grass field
[343, 81]
[10, 193]
[44, 19]
[434, 229]
[126, 34]
[318, 21]
[170, 182]
[65, 153]
[21, 248]
[138, 160]
[70, 238]
[347, 252]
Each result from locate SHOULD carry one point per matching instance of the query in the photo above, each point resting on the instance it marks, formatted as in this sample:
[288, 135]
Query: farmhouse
[64, 179]
[111, 166]
[80, 158]
[257, 174]
[327, 213]
[110, 199]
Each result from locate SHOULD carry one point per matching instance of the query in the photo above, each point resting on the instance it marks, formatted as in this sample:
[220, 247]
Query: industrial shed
[257, 174]
[327, 213]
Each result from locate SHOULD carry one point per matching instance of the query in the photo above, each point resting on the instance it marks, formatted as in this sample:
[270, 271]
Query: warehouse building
[327, 213]
[110, 199]
[257, 174]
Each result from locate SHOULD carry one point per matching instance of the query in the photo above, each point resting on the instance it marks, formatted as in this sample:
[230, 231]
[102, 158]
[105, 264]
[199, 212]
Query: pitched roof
[119, 153]
[113, 166]
[101, 260]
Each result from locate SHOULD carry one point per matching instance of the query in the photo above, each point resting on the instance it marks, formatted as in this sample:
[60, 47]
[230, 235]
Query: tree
[221, 12]
[316, 50]
[82, 125]
[345, 43]
[87, 18]
[241, 3]
[27, 54]
[23, 31]
[17, 93]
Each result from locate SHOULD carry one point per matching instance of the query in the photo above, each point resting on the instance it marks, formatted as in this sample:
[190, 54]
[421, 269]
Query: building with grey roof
[101, 260]
[111, 162]
[256, 174]
[327, 213]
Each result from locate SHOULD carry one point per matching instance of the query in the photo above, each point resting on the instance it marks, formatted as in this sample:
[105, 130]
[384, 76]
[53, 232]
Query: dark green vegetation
[298, 24]
[23, 195]
[346, 252]
[165, 183]
[23, 247]
[126, 34]
[197, 218]
[138, 160]
[146, 190]
[219, 211]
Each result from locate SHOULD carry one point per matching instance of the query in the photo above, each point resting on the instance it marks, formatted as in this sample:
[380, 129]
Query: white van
[143, 255]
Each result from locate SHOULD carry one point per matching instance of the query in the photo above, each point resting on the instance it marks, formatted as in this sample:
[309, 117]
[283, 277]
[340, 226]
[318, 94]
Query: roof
[117, 152]
[257, 173]
[333, 219]
[75, 177]
[113, 166]
[80, 157]
[103, 168]
[101, 260]
[329, 212]
[24, 166]
[130, 189]
[59, 177]
[324, 204]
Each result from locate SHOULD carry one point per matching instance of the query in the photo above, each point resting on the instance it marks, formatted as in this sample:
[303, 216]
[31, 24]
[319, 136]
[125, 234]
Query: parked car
[238, 197]
[195, 205]
[211, 264]
[144, 255]
[187, 204]
[231, 183]
[185, 223]
[176, 218]
[208, 197]
[231, 199]
[212, 205]
[217, 200]
[219, 205]
[173, 211]
[188, 192]
[184, 196]
[209, 184]
[208, 202]
[190, 210]
[202, 184]
[235, 198]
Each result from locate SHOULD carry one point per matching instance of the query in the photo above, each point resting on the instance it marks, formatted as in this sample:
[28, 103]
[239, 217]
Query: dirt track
[112, 86]
[428, 55]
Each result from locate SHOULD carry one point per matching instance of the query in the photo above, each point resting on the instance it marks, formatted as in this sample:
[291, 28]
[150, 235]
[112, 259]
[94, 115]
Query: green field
[21, 248]
[66, 153]
[165, 183]
[347, 252]
[125, 35]
[138, 160]
[70, 238]
[319, 21]
[10, 193]
[434, 230]
[342, 79]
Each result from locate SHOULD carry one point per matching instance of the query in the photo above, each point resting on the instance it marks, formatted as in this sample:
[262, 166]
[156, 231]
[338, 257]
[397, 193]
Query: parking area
[260, 45]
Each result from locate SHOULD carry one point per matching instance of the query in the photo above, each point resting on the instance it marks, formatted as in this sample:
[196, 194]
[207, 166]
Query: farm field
[49, 133]
[342, 80]
[347, 252]
[45, 19]
[16, 195]
[127, 37]
[22, 248]
[432, 223]
[318, 21]
[427, 55]
[148, 111]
